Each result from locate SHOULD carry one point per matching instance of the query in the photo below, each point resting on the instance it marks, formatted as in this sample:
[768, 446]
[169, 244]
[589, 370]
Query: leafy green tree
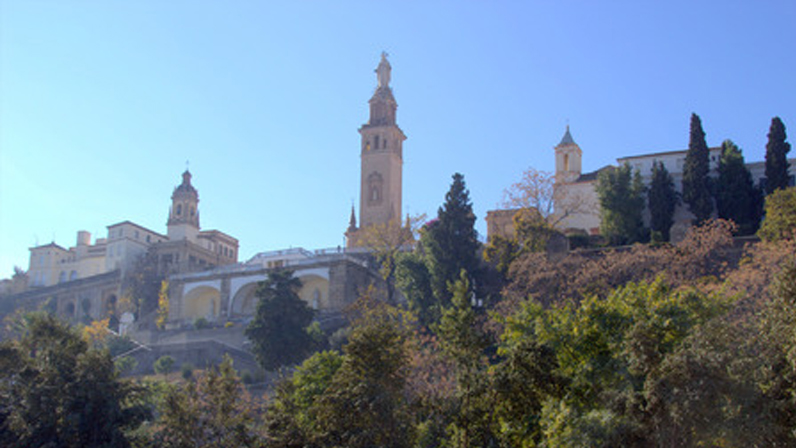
[777, 149]
[737, 199]
[662, 199]
[621, 196]
[56, 391]
[212, 411]
[606, 348]
[290, 418]
[386, 241]
[142, 284]
[774, 333]
[464, 343]
[780, 220]
[414, 280]
[696, 180]
[279, 330]
[125, 364]
[163, 365]
[524, 379]
[365, 404]
[531, 234]
[451, 241]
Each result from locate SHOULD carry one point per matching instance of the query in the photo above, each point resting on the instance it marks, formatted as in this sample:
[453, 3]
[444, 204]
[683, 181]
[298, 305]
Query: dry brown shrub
[702, 258]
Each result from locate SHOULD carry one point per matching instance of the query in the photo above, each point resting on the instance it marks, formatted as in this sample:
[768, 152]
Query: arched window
[179, 209]
[62, 277]
[69, 309]
[193, 212]
[73, 276]
[375, 185]
[376, 139]
[566, 162]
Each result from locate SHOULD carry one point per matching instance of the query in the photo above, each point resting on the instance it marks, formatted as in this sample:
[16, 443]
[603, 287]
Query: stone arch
[244, 303]
[314, 290]
[69, 309]
[201, 301]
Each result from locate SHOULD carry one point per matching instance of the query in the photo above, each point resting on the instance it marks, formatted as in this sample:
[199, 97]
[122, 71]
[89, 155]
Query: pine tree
[621, 195]
[279, 330]
[777, 157]
[696, 183]
[662, 200]
[737, 199]
[451, 241]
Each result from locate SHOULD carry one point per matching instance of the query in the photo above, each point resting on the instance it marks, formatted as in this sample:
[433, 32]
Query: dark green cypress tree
[662, 200]
[777, 157]
[737, 199]
[451, 242]
[696, 183]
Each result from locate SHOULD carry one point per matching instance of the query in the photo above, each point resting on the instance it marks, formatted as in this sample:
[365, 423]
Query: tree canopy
[57, 391]
[780, 221]
[621, 195]
[279, 330]
[696, 180]
[662, 200]
[737, 198]
[777, 175]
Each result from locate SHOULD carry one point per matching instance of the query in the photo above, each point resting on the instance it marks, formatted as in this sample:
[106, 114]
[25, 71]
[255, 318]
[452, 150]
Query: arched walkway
[244, 303]
[315, 291]
[202, 301]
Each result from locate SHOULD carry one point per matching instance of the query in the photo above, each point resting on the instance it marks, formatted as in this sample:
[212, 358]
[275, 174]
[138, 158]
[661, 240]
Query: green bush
[187, 370]
[201, 323]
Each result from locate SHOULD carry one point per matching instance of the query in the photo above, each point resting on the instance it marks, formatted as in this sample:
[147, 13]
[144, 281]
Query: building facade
[576, 197]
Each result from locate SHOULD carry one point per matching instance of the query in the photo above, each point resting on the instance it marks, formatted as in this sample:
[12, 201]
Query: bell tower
[568, 159]
[183, 221]
[381, 155]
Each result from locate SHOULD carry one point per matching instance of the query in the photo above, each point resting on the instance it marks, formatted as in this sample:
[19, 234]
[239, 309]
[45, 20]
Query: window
[192, 212]
[62, 277]
[179, 209]
[375, 184]
[149, 238]
[136, 234]
[376, 139]
[73, 276]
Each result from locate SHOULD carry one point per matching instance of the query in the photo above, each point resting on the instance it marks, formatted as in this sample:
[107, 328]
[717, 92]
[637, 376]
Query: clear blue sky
[101, 103]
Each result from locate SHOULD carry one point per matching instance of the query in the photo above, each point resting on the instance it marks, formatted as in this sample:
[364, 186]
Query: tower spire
[352, 222]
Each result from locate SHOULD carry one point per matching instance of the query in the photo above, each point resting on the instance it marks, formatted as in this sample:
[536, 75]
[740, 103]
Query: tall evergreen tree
[451, 241]
[662, 200]
[737, 199]
[279, 330]
[696, 183]
[621, 195]
[776, 157]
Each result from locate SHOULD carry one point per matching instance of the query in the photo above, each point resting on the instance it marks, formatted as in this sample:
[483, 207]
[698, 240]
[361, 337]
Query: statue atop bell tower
[381, 156]
[383, 71]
